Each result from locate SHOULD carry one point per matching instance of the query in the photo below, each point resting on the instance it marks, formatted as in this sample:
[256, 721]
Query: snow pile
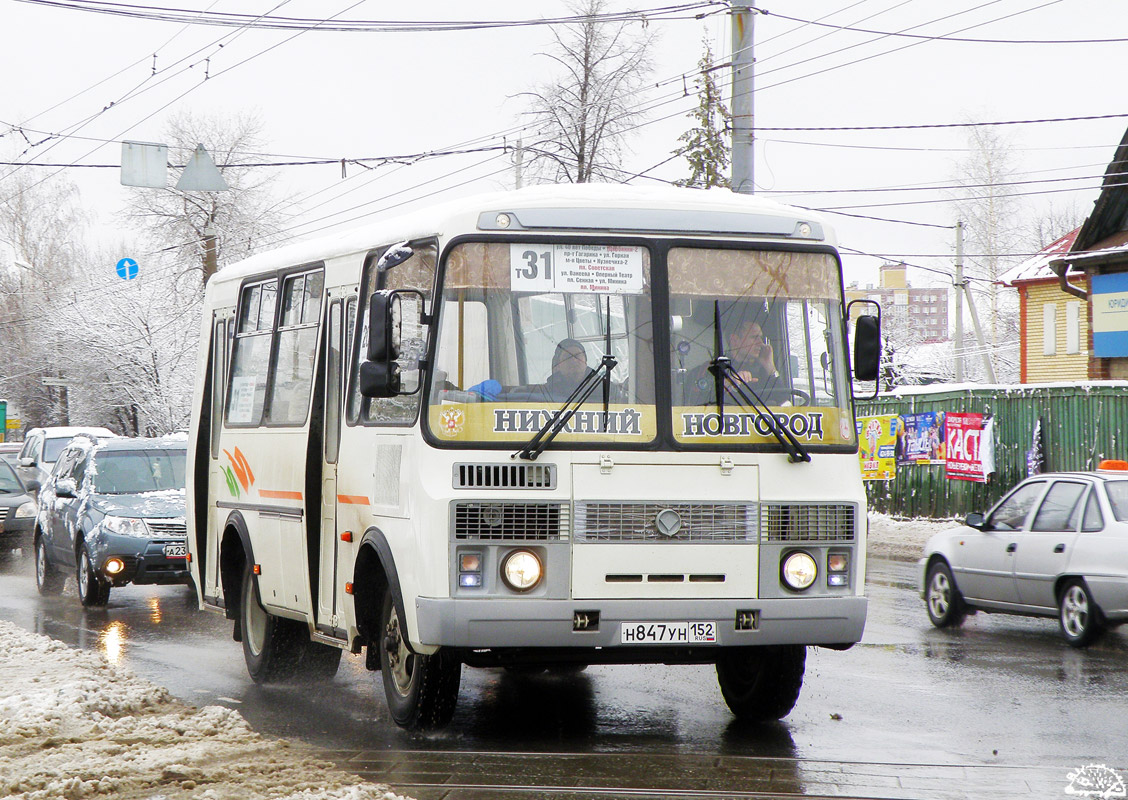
[72, 725]
[902, 540]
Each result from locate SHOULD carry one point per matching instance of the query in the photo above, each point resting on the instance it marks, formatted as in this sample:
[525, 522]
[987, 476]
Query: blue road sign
[127, 269]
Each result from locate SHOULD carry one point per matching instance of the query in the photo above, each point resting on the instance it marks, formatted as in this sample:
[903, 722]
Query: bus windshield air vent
[509, 522]
[807, 522]
[679, 522]
[504, 476]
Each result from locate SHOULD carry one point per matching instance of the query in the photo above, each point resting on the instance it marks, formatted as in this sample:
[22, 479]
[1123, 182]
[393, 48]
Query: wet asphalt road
[1002, 707]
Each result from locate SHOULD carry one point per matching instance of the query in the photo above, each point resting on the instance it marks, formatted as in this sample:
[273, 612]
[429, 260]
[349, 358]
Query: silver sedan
[1056, 545]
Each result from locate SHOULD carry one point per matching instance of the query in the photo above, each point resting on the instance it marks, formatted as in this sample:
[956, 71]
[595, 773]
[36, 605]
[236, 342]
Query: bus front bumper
[536, 623]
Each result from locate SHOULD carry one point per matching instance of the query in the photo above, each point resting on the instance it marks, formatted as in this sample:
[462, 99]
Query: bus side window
[417, 272]
[246, 394]
[297, 346]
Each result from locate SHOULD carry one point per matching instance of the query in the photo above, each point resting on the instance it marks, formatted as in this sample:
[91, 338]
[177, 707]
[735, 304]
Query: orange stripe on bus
[276, 495]
[354, 499]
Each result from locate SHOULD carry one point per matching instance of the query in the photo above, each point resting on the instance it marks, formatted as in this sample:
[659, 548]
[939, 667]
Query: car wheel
[48, 580]
[1078, 614]
[93, 590]
[271, 645]
[761, 684]
[944, 601]
[421, 690]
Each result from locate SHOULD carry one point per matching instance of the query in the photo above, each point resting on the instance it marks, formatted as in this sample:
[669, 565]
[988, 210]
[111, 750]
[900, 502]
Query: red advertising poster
[970, 445]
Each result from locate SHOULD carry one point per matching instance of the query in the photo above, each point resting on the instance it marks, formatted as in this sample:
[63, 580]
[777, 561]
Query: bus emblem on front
[668, 522]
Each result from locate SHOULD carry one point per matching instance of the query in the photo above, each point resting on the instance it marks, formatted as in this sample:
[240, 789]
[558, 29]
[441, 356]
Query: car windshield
[138, 471]
[1117, 492]
[9, 483]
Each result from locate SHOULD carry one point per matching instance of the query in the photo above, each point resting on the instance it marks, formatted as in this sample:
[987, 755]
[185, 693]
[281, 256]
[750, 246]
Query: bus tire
[762, 684]
[421, 690]
[272, 646]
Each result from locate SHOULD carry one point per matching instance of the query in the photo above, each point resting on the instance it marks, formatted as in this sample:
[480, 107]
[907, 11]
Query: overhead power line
[941, 38]
[225, 19]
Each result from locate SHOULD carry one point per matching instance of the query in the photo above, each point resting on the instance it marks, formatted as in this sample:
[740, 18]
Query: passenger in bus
[753, 358]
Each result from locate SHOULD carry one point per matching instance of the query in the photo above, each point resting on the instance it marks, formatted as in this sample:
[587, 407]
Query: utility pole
[959, 283]
[743, 119]
[519, 165]
[211, 265]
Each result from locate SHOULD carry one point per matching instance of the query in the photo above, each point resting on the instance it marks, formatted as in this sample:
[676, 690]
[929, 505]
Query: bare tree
[135, 348]
[241, 219]
[582, 116]
[994, 235]
[41, 231]
[1054, 223]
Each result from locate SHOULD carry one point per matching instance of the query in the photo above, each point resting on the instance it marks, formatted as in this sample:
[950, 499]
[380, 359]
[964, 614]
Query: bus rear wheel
[421, 690]
[272, 646]
[761, 684]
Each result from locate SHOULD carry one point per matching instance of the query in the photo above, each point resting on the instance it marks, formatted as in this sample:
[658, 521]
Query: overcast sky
[355, 95]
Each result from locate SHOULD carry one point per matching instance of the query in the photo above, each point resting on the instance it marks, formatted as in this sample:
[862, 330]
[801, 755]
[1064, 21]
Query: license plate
[667, 633]
[176, 550]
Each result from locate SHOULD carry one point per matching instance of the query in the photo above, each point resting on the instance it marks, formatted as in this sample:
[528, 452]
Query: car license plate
[667, 633]
[176, 550]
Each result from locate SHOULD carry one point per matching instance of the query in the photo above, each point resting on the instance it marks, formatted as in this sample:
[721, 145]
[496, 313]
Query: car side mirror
[27, 461]
[65, 487]
[867, 347]
[976, 520]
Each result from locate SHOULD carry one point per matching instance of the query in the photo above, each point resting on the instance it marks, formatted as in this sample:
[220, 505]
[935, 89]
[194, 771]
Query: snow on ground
[902, 540]
[72, 726]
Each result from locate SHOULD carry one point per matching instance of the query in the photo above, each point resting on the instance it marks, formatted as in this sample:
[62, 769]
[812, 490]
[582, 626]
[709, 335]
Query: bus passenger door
[327, 611]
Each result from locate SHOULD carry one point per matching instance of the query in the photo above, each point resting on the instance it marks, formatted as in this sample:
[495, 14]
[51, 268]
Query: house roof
[1111, 207]
[1037, 267]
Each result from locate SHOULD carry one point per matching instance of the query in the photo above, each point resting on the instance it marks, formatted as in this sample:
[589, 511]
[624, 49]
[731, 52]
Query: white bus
[399, 450]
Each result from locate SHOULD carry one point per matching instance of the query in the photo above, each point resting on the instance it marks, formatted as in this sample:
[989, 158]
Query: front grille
[4, 512]
[504, 476]
[636, 522]
[497, 522]
[167, 527]
[807, 522]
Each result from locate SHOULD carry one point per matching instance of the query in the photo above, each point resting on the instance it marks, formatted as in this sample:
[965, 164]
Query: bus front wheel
[421, 690]
[762, 683]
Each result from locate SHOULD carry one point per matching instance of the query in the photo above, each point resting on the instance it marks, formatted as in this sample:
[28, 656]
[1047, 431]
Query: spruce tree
[706, 144]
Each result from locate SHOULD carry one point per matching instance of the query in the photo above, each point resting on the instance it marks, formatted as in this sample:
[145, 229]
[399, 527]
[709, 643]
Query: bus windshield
[522, 324]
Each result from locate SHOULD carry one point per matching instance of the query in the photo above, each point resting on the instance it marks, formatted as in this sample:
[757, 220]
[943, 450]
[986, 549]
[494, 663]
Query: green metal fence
[1081, 425]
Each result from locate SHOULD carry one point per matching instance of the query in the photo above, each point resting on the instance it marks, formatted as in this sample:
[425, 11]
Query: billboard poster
[877, 444]
[970, 445]
[921, 439]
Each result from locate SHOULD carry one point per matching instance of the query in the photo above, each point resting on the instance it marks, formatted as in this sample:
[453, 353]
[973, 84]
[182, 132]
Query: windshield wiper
[557, 421]
[722, 369]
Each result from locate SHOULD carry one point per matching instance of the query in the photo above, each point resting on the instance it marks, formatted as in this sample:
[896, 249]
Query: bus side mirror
[384, 316]
[867, 347]
[378, 379]
[396, 343]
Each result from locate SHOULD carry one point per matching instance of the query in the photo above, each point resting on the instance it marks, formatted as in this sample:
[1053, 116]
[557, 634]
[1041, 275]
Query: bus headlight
[799, 570]
[521, 570]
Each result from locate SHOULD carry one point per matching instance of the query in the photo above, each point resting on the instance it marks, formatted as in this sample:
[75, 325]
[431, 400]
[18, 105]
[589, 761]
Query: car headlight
[28, 509]
[126, 526]
[799, 570]
[521, 570]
